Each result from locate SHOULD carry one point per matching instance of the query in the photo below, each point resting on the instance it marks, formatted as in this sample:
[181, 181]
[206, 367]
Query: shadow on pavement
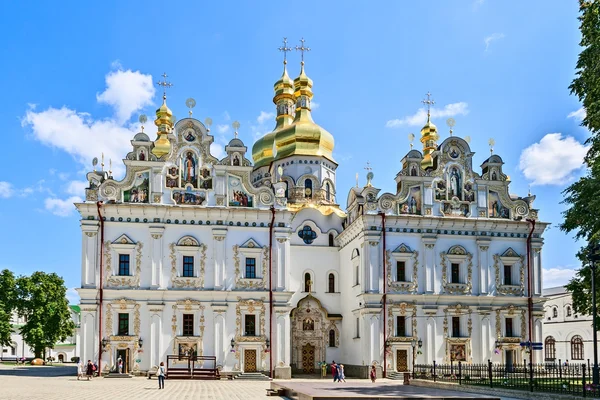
[41, 371]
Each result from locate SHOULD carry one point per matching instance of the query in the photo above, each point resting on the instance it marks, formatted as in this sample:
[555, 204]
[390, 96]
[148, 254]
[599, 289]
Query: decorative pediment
[457, 251]
[403, 248]
[251, 244]
[510, 253]
[188, 241]
[123, 239]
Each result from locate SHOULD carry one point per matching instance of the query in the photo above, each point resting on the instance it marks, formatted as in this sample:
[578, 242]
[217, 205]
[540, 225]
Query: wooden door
[308, 359]
[249, 360]
[401, 360]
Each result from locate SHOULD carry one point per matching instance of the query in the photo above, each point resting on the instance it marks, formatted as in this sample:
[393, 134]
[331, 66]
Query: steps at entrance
[397, 376]
[252, 376]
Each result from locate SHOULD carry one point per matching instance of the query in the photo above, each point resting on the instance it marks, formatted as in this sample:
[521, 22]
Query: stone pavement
[57, 382]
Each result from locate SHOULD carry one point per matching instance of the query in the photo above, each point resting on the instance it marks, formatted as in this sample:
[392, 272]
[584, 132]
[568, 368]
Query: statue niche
[455, 184]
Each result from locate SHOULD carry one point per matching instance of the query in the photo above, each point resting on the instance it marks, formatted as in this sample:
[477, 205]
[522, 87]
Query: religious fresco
[412, 205]
[140, 191]
[188, 349]
[172, 177]
[495, 207]
[188, 197]
[454, 185]
[189, 169]
[205, 180]
[455, 209]
[458, 352]
[238, 197]
[469, 192]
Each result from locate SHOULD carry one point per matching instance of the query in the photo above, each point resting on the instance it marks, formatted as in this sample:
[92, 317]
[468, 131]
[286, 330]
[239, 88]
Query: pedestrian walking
[339, 372]
[79, 369]
[334, 371]
[161, 375]
[373, 373]
[120, 364]
[89, 370]
[342, 374]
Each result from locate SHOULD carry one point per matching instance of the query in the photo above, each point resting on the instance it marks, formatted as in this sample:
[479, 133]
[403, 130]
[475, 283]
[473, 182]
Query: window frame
[247, 318]
[577, 348]
[331, 281]
[550, 348]
[509, 275]
[123, 317]
[331, 338]
[455, 271]
[400, 326]
[456, 326]
[185, 325]
[401, 267]
[250, 262]
[121, 262]
[185, 266]
[509, 327]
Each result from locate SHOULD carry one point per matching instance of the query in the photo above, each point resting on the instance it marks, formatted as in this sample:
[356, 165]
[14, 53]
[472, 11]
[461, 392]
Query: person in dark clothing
[89, 370]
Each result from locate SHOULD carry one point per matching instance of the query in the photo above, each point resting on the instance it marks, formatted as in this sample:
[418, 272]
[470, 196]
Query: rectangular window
[356, 274]
[400, 271]
[455, 326]
[124, 264]
[188, 266]
[250, 268]
[250, 325]
[508, 327]
[455, 273]
[188, 325]
[123, 324]
[357, 328]
[508, 274]
[400, 326]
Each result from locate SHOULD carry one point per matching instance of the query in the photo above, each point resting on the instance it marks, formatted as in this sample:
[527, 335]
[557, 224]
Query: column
[371, 251]
[429, 342]
[156, 248]
[89, 253]
[429, 263]
[154, 347]
[282, 345]
[89, 334]
[536, 264]
[219, 241]
[281, 260]
[484, 266]
[486, 337]
[220, 341]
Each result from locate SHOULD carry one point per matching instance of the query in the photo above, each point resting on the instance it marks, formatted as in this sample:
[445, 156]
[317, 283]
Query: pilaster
[536, 263]
[429, 263]
[219, 240]
[89, 253]
[372, 273]
[154, 347]
[484, 269]
[281, 258]
[282, 345]
[156, 232]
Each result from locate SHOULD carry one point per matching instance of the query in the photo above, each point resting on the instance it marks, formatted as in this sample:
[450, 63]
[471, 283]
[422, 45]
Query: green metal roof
[75, 308]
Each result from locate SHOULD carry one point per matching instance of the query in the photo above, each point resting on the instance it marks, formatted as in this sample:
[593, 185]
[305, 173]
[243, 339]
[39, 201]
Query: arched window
[576, 348]
[331, 283]
[327, 191]
[308, 188]
[550, 348]
[331, 244]
[568, 311]
[331, 338]
[307, 282]
[554, 312]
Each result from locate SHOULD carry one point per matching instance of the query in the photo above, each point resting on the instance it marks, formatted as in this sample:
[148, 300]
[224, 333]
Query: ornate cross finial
[429, 102]
[411, 137]
[285, 49]
[236, 126]
[491, 142]
[302, 49]
[368, 167]
[165, 85]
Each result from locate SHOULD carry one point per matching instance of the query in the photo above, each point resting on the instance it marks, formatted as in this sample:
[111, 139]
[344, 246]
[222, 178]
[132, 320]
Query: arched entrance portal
[311, 328]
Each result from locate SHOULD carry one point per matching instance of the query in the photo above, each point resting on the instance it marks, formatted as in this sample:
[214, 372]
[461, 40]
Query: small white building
[62, 352]
[567, 335]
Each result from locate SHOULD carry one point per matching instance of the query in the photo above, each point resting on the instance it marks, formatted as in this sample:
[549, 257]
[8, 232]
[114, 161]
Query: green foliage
[7, 304]
[42, 299]
[583, 214]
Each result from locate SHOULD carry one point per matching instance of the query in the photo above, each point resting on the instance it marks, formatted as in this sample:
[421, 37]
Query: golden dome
[303, 136]
[262, 151]
[164, 122]
[429, 138]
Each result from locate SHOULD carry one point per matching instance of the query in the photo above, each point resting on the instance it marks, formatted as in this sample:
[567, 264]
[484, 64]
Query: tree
[41, 298]
[583, 213]
[7, 305]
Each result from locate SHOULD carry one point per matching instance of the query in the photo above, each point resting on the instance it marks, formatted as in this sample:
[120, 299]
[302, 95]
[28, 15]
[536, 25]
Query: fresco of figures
[238, 197]
[412, 205]
[189, 169]
[188, 197]
[140, 191]
[495, 207]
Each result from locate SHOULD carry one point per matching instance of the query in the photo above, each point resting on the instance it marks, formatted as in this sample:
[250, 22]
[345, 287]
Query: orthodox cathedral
[250, 263]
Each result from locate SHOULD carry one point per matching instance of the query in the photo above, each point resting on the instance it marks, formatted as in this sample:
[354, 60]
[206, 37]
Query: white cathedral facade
[256, 264]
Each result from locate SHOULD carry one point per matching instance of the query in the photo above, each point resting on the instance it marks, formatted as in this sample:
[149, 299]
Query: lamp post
[232, 344]
[140, 342]
[104, 344]
[594, 257]
[414, 343]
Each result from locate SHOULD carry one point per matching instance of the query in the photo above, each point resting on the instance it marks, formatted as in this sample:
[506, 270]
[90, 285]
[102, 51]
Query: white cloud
[73, 296]
[420, 117]
[577, 115]
[6, 190]
[493, 37]
[63, 176]
[314, 105]
[226, 116]
[222, 129]
[76, 188]
[60, 207]
[127, 92]
[217, 150]
[552, 161]
[264, 117]
[557, 276]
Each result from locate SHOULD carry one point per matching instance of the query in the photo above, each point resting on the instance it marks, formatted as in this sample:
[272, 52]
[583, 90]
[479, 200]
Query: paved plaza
[58, 382]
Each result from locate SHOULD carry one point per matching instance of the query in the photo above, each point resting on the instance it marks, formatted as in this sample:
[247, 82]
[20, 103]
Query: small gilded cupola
[164, 121]
[429, 136]
[262, 151]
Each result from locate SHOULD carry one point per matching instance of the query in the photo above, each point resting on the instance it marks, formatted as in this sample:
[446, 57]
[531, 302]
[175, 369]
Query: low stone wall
[519, 394]
[356, 371]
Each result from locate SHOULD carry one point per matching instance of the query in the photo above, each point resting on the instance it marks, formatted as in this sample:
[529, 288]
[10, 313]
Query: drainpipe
[271, 290]
[530, 290]
[100, 291]
[384, 295]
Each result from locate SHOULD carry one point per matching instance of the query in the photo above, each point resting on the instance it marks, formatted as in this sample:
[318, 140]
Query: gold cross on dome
[165, 85]
[302, 49]
[285, 49]
[429, 102]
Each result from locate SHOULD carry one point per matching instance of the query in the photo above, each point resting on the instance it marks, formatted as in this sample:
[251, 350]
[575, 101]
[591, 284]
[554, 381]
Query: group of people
[337, 370]
[88, 370]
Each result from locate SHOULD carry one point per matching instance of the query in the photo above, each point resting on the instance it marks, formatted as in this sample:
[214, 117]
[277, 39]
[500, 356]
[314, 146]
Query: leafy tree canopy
[7, 304]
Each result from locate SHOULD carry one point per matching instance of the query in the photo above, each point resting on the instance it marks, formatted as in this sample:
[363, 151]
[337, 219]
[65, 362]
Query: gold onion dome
[262, 151]
[303, 136]
[164, 122]
[429, 138]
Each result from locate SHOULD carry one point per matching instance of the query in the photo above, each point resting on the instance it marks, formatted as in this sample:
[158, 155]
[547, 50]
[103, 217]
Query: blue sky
[75, 79]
